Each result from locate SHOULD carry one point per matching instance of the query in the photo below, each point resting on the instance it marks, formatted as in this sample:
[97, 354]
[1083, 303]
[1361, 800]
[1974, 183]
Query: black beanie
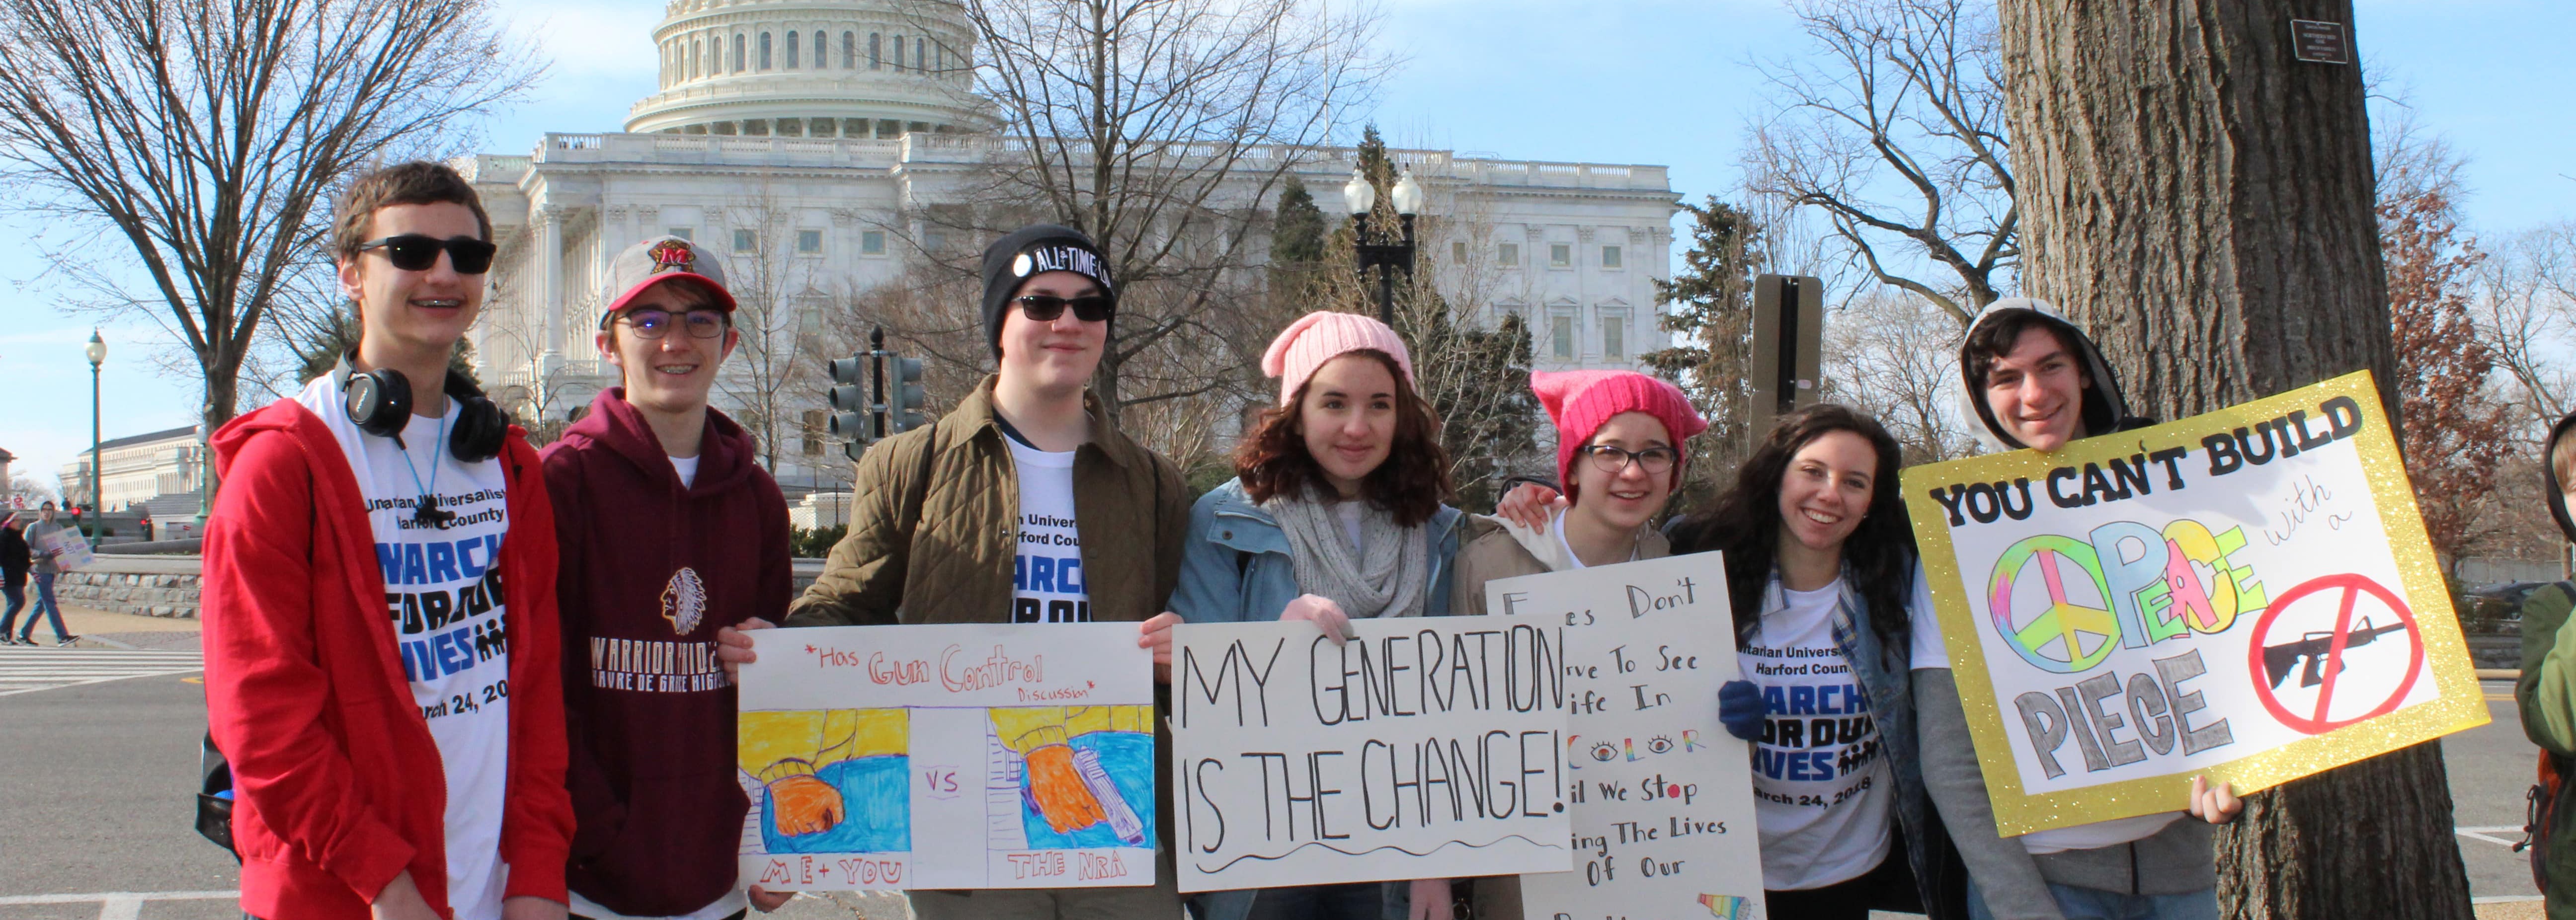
[1029, 251]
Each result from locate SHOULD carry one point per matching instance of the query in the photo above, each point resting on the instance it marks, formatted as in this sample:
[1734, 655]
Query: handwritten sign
[2247, 594]
[948, 757]
[1429, 747]
[1661, 799]
[71, 550]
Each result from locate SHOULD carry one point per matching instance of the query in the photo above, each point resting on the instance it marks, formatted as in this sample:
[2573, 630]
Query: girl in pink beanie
[1336, 513]
[1621, 437]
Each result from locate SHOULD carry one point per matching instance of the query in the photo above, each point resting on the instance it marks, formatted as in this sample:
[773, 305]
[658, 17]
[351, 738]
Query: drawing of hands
[1059, 791]
[806, 804]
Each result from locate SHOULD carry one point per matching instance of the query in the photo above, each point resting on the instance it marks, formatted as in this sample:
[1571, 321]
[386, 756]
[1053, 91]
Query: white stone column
[550, 288]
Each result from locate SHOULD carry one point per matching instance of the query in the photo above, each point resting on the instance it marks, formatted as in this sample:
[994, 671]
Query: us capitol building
[817, 132]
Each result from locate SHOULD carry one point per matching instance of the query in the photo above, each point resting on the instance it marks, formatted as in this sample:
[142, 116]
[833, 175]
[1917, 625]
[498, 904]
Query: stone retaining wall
[166, 586]
[152, 586]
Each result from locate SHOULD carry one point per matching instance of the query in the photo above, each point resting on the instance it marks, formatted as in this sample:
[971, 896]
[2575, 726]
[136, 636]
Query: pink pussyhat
[1315, 339]
[1580, 402]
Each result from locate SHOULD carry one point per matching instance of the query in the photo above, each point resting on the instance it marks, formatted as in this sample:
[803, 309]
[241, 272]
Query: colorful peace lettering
[2063, 623]
[2149, 580]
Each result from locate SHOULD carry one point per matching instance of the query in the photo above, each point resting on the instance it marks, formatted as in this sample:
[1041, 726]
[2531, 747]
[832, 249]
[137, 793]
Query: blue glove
[1739, 705]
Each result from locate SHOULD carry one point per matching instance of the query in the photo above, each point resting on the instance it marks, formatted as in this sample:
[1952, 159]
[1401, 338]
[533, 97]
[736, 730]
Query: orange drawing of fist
[1062, 796]
[805, 804]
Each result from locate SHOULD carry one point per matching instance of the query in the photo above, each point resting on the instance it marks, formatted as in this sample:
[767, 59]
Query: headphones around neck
[379, 402]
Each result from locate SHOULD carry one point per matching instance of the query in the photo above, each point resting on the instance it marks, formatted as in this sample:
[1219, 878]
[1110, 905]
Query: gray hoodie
[2178, 859]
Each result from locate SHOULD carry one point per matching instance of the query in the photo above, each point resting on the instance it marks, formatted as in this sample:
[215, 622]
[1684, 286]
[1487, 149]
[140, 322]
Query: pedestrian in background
[46, 567]
[14, 562]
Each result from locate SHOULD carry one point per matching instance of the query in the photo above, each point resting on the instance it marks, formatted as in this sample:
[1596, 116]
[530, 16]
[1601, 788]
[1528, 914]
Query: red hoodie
[337, 783]
[650, 571]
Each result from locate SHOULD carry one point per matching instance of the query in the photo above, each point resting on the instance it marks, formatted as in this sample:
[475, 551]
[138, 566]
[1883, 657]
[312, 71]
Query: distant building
[6, 482]
[814, 136]
[138, 470]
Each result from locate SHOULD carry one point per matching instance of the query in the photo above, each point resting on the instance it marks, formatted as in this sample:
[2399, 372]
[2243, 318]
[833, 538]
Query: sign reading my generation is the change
[1428, 747]
[2246, 595]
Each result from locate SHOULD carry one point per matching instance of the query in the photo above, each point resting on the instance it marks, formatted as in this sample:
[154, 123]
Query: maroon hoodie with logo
[650, 571]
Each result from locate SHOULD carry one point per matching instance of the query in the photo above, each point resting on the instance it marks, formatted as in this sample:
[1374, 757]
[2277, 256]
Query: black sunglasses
[416, 252]
[1043, 308]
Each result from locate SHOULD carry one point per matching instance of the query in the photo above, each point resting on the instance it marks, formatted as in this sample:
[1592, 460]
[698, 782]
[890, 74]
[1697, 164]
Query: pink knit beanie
[1580, 402]
[1317, 338]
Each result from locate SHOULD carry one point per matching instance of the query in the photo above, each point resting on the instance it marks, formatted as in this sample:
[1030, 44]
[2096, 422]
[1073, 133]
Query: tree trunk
[2203, 202]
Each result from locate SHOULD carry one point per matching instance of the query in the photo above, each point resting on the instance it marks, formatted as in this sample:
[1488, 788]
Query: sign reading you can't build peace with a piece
[2246, 595]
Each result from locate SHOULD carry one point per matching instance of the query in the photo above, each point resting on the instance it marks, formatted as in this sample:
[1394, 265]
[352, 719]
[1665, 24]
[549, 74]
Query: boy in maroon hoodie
[668, 532]
[379, 588]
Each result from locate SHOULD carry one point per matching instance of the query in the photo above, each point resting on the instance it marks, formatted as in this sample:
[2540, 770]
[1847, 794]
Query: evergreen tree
[1297, 233]
[1710, 303]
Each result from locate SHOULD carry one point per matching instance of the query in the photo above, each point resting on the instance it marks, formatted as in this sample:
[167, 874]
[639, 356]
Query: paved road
[96, 781]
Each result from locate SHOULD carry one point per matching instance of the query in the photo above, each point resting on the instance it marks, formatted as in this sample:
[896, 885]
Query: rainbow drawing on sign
[1726, 906]
[832, 780]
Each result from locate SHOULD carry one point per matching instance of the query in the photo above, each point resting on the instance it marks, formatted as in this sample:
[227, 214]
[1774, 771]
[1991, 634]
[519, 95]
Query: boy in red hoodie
[381, 668]
[668, 532]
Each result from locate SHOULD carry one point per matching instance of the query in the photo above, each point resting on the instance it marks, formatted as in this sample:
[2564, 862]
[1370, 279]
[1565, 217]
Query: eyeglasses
[653, 324]
[1044, 309]
[1612, 460]
[416, 252]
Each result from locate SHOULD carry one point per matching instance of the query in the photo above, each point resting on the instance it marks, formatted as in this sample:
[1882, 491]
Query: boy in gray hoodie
[2030, 379]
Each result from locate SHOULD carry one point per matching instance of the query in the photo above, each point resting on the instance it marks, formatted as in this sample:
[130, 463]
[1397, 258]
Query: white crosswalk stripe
[27, 670]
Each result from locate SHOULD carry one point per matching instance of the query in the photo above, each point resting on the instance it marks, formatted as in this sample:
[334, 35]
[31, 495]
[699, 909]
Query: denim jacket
[1235, 566]
[1886, 675]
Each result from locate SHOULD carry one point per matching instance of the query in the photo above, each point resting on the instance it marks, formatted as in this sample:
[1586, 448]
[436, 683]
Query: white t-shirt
[687, 467]
[1823, 793]
[1932, 651]
[733, 902]
[1349, 513]
[1047, 580]
[443, 593]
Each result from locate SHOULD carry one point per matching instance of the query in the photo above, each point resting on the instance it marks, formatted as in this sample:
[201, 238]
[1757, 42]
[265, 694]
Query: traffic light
[905, 407]
[1788, 334]
[850, 405]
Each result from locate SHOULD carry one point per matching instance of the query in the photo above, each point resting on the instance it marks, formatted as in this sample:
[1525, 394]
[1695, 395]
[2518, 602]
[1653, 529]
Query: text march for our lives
[1428, 747]
[1660, 797]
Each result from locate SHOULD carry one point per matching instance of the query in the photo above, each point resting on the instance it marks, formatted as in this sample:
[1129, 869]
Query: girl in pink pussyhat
[1337, 512]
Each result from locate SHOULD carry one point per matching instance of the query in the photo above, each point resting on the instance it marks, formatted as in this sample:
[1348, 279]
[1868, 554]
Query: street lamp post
[97, 352]
[1381, 250]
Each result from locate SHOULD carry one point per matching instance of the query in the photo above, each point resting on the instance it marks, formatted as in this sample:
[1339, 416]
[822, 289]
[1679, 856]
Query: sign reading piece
[1429, 747]
[1660, 795]
[2247, 594]
[948, 757]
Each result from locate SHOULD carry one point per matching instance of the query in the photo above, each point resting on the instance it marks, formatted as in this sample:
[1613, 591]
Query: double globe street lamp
[1382, 250]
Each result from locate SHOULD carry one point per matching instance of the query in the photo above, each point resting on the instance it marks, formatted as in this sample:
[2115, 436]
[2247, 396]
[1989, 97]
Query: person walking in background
[668, 531]
[14, 562]
[1336, 512]
[47, 566]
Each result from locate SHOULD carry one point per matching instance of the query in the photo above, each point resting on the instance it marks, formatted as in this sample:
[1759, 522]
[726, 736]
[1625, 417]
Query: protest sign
[1428, 747]
[1658, 793]
[71, 550]
[2246, 595]
[948, 757]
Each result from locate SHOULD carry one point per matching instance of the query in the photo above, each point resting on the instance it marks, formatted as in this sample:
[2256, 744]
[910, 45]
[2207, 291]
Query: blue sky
[1604, 81]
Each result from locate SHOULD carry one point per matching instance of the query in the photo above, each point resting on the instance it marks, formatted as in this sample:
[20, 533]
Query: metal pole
[1386, 294]
[97, 507]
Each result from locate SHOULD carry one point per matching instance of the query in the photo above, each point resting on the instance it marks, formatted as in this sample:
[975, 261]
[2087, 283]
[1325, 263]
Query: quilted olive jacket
[932, 527]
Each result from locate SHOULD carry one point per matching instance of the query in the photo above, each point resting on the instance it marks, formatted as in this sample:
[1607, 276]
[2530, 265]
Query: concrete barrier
[166, 586]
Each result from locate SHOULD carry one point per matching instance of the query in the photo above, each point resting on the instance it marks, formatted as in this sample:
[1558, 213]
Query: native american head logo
[672, 256]
[684, 601]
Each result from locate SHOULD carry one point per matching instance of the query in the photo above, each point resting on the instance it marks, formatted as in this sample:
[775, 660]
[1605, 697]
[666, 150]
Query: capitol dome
[812, 68]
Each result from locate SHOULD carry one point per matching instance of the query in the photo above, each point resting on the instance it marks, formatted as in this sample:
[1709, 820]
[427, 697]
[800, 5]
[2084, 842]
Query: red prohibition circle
[2352, 583]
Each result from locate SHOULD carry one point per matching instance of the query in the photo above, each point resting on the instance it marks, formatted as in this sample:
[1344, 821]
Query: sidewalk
[105, 629]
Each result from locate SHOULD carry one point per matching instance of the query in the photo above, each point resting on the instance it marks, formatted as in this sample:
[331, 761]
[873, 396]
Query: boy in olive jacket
[2546, 693]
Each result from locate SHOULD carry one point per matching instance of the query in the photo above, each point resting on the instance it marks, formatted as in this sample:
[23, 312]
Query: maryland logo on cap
[672, 255]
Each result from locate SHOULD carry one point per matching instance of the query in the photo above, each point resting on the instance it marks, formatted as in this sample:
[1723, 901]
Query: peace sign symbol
[2063, 623]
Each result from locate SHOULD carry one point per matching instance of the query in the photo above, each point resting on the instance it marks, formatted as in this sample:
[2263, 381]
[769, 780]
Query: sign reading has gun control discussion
[2246, 595]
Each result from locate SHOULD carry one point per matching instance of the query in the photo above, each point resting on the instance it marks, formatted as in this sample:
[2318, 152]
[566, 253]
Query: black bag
[2548, 804]
[215, 798]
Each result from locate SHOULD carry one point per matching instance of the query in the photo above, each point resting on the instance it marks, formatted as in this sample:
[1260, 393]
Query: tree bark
[2202, 201]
